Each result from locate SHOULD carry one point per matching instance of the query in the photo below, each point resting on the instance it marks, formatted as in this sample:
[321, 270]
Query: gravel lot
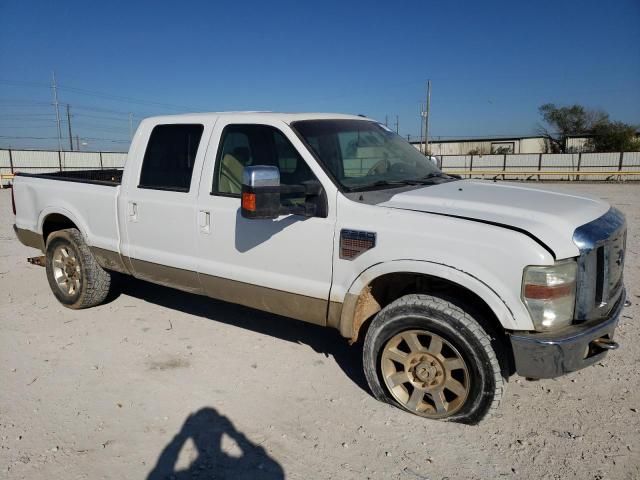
[157, 379]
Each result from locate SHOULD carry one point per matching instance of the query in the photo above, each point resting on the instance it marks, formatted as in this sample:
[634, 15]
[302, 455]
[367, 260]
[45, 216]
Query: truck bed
[111, 177]
[88, 199]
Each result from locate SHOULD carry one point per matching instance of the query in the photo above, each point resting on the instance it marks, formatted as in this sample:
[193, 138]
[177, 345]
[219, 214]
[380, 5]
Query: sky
[491, 63]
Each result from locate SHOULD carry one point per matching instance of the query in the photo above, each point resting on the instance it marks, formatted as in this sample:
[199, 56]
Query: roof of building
[476, 139]
[495, 139]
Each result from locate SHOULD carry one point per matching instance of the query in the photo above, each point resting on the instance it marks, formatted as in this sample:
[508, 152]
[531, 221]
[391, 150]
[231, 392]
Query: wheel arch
[383, 283]
[54, 219]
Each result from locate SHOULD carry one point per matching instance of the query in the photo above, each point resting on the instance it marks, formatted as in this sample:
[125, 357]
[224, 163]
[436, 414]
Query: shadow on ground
[326, 341]
[206, 428]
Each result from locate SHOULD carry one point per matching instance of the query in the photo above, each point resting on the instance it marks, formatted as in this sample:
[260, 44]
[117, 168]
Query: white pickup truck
[452, 285]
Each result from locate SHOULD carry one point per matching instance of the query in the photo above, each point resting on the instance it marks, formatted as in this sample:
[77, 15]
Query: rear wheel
[429, 357]
[74, 275]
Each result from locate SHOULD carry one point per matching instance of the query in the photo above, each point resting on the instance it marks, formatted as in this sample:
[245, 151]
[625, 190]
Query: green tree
[614, 137]
[561, 122]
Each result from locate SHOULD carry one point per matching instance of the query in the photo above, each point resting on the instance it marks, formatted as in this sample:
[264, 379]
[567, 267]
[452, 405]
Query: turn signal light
[548, 292]
[249, 201]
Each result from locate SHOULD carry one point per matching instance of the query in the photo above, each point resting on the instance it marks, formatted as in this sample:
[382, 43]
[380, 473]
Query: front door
[281, 266]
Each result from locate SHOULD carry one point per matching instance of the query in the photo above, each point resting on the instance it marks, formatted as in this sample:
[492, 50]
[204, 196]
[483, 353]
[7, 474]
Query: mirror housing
[264, 198]
[260, 192]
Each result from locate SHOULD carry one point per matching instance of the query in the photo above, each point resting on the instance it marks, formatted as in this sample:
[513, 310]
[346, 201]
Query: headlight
[550, 294]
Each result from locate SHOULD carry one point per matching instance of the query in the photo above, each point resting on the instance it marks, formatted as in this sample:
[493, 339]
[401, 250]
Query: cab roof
[256, 116]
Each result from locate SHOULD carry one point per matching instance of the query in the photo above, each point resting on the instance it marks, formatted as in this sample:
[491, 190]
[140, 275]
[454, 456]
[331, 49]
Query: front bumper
[549, 355]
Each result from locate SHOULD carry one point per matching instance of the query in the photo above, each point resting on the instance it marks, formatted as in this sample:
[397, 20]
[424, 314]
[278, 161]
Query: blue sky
[491, 63]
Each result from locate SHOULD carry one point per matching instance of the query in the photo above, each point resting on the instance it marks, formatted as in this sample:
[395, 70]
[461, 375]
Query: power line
[92, 126]
[22, 83]
[25, 115]
[21, 101]
[26, 119]
[36, 104]
[12, 127]
[100, 117]
[93, 93]
[120, 98]
[54, 138]
[91, 108]
[105, 127]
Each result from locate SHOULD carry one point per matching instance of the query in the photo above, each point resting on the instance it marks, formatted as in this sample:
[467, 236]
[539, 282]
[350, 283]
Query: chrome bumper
[549, 355]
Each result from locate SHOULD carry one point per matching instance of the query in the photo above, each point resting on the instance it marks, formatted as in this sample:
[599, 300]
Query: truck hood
[550, 217]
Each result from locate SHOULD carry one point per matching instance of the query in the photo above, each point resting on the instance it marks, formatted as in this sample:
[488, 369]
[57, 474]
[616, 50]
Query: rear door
[283, 265]
[159, 204]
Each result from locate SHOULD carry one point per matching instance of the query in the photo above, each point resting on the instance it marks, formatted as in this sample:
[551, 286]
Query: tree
[565, 121]
[614, 137]
[476, 151]
[501, 150]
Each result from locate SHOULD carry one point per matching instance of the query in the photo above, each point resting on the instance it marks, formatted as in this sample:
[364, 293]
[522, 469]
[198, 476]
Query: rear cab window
[170, 156]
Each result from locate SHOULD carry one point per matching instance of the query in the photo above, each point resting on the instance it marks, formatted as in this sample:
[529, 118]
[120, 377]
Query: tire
[456, 377]
[75, 277]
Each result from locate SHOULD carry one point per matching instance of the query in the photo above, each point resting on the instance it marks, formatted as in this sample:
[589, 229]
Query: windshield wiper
[439, 175]
[426, 180]
[387, 183]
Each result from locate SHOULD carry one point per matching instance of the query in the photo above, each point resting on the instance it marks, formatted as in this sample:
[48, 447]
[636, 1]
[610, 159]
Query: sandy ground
[158, 380]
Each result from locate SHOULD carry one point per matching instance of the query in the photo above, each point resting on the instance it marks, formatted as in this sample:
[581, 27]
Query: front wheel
[429, 357]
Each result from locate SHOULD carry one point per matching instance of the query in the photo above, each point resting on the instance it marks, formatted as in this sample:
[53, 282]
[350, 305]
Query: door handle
[133, 211]
[204, 221]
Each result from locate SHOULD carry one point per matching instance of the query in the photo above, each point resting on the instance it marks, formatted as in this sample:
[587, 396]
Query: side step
[39, 261]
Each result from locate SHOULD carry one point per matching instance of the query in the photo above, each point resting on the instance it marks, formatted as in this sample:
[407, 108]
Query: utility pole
[69, 125]
[130, 126]
[422, 114]
[386, 120]
[55, 103]
[77, 143]
[426, 119]
[397, 124]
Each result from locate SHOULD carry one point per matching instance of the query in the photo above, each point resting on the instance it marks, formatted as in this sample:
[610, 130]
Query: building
[489, 145]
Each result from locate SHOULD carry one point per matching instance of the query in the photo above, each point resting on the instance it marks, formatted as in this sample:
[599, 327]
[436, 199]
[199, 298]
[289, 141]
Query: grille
[600, 265]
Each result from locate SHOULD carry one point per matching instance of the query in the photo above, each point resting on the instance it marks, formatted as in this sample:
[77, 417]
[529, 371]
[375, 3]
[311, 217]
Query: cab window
[169, 158]
[245, 145]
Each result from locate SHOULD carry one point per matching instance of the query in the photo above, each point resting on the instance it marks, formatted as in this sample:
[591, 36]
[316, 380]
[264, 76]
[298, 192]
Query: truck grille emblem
[355, 242]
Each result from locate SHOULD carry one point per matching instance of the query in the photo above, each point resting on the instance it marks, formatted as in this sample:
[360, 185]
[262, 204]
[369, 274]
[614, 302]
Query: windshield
[362, 154]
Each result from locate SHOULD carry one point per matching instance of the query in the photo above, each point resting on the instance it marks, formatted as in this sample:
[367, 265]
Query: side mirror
[261, 192]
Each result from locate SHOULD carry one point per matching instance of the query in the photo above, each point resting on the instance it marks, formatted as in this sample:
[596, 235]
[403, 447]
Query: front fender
[510, 312]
